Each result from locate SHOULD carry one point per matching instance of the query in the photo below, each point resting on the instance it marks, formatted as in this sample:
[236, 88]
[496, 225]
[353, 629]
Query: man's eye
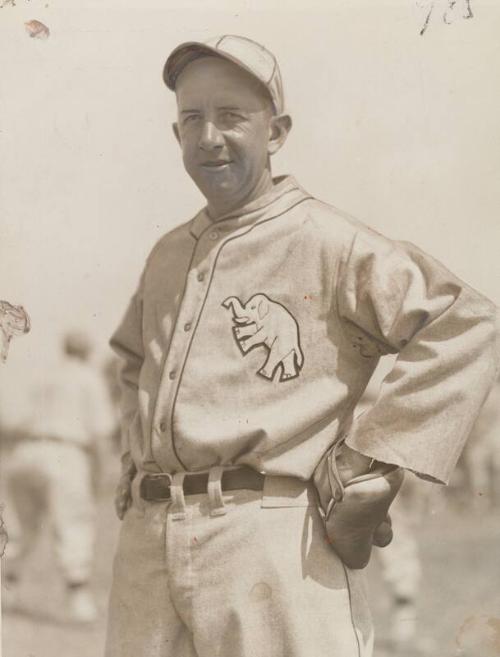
[190, 118]
[231, 116]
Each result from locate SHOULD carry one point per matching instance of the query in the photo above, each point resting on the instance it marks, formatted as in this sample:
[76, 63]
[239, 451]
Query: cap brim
[181, 56]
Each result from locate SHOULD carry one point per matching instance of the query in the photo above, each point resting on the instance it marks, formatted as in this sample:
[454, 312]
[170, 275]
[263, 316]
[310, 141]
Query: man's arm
[128, 345]
[393, 298]
[402, 301]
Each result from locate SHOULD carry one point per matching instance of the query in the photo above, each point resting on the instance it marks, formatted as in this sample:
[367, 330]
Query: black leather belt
[156, 487]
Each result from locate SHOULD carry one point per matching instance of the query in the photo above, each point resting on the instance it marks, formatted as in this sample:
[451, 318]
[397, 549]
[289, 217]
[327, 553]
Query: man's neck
[265, 184]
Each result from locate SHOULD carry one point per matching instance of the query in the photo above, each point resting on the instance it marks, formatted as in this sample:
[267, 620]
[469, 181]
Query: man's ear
[279, 129]
[175, 128]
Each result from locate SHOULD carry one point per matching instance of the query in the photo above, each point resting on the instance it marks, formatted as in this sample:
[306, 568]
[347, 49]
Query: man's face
[224, 129]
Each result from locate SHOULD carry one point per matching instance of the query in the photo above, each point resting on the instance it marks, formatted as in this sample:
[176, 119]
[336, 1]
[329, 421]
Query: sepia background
[398, 128]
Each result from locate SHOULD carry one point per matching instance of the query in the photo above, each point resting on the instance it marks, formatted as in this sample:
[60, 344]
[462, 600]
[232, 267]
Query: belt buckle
[154, 476]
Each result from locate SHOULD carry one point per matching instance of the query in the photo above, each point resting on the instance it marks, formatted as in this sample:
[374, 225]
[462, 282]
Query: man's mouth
[215, 164]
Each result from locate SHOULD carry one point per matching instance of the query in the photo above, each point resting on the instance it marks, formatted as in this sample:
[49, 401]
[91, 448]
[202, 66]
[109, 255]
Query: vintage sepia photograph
[249, 334]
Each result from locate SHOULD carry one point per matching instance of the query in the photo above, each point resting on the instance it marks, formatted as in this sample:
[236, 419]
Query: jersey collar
[285, 193]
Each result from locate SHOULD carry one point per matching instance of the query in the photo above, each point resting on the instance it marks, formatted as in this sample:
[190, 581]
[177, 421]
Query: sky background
[398, 129]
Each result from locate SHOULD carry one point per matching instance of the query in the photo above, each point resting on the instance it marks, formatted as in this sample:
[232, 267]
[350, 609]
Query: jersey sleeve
[127, 343]
[446, 340]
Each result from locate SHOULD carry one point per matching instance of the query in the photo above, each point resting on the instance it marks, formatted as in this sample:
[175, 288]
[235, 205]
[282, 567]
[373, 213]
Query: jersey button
[171, 375]
[163, 426]
[213, 235]
[201, 277]
[187, 326]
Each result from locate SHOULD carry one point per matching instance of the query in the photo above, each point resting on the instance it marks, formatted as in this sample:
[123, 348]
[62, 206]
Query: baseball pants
[239, 574]
[51, 481]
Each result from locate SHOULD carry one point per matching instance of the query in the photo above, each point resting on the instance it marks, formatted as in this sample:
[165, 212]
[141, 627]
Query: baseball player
[50, 471]
[250, 498]
[481, 458]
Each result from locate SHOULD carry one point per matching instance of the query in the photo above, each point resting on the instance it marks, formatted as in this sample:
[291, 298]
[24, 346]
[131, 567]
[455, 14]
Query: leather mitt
[355, 514]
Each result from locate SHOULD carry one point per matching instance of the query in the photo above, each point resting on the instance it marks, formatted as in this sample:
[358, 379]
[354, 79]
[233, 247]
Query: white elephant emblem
[262, 322]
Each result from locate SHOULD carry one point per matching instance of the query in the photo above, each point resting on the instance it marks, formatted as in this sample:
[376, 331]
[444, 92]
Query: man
[50, 472]
[253, 333]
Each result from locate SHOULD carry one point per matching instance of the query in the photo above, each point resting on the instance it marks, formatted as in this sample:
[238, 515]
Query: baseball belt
[156, 487]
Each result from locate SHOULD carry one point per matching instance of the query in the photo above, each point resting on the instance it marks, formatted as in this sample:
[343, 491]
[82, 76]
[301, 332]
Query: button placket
[188, 315]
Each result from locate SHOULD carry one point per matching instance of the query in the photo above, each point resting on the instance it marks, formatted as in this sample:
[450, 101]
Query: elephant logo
[262, 322]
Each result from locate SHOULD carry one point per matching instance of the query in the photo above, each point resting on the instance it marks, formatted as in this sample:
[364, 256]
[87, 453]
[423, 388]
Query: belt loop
[217, 506]
[135, 488]
[178, 503]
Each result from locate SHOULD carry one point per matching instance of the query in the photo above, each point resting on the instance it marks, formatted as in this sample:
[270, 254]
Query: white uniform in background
[402, 567]
[482, 454]
[50, 473]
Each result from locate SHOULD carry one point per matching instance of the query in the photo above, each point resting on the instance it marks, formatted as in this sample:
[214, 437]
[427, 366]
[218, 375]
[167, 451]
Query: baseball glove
[355, 513]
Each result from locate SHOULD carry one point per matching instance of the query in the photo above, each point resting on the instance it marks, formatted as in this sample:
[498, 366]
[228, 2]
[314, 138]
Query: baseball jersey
[250, 340]
[70, 404]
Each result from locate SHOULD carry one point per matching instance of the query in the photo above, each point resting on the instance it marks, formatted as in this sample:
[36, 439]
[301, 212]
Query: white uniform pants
[254, 581]
[50, 481]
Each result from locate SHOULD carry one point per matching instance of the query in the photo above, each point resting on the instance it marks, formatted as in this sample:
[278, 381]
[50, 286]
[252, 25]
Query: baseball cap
[245, 53]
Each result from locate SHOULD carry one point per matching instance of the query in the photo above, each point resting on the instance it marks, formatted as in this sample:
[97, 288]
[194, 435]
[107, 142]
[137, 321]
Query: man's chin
[219, 191]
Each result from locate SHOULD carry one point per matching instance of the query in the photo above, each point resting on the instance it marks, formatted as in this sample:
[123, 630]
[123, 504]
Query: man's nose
[211, 137]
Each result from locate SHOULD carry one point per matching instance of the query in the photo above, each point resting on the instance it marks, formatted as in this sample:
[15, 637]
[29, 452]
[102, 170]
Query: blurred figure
[481, 458]
[52, 472]
[401, 563]
[111, 371]
[4, 537]
[402, 570]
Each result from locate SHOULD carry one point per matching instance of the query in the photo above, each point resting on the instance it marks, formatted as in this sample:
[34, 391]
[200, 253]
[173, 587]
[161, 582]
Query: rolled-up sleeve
[446, 339]
[127, 343]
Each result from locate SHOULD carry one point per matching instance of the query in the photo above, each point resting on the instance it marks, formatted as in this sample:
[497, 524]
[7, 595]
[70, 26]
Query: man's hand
[123, 495]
